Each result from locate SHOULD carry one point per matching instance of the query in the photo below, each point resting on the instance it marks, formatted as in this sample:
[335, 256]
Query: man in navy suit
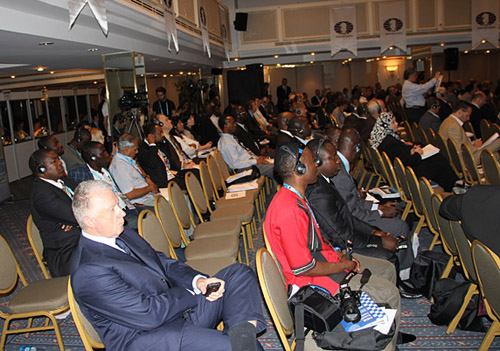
[138, 299]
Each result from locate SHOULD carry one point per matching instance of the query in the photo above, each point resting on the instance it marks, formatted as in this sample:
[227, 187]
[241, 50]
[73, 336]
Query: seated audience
[385, 138]
[50, 142]
[382, 216]
[97, 164]
[431, 119]
[235, 155]
[133, 182]
[284, 136]
[241, 134]
[477, 210]
[477, 102]
[137, 298]
[300, 128]
[184, 124]
[296, 237]
[119, 123]
[72, 157]
[50, 205]
[452, 128]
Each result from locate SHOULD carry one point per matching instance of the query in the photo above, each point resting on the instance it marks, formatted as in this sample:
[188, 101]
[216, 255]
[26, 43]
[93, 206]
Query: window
[19, 110]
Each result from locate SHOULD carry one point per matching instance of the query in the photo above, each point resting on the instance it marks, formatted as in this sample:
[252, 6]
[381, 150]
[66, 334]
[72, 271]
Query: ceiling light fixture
[466, 51]
[278, 65]
[442, 44]
[350, 60]
[181, 73]
[313, 53]
[13, 77]
[488, 51]
[52, 72]
[311, 62]
[483, 41]
[40, 69]
[95, 81]
[45, 43]
[391, 47]
[384, 57]
[236, 59]
[276, 56]
[93, 49]
[164, 76]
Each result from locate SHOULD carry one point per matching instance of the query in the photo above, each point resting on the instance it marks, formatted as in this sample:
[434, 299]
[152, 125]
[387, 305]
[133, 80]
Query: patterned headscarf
[381, 129]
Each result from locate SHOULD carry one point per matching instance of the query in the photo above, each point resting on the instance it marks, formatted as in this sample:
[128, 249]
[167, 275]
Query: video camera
[131, 100]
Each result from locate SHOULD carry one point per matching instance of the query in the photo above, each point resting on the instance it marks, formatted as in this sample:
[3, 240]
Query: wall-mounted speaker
[450, 59]
[240, 22]
[216, 71]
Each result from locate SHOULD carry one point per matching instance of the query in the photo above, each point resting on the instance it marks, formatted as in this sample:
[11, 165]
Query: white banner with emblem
[98, 8]
[343, 30]
[484, 22]
[224, 31]
[170, 24]
[392, 25]
[202, 21]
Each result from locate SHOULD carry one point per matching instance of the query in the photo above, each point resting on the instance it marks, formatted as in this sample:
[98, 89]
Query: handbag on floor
[426, 271]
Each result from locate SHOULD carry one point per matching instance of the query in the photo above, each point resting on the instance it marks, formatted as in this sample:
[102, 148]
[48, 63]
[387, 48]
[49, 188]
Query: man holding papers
[452, 128]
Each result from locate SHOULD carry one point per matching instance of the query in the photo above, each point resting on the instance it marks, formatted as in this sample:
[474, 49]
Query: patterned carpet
[13, 216]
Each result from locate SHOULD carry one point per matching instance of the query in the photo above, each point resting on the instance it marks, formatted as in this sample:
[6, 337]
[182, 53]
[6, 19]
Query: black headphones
[300, 168]
[317, 159]
[40, 168]
[92, 157]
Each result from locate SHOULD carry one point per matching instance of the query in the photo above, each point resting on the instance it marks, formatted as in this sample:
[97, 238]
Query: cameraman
[163, 105]
[296, 241]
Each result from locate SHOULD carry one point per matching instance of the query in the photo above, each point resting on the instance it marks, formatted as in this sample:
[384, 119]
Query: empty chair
[37, 245]
[43, 298]
[420, 136]
[404, 190]
[491, 167]
[456, 158]
[431, 136]
[426, 193]
[465, 255]
[274, 290]
[390, 171]
[90, 338]
[408, 130]
[443, 148]
[471, 170]
[487, 265]
[416, 198]
[152, 230]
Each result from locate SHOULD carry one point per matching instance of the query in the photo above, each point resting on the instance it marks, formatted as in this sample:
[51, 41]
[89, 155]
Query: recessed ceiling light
[391, 47]
[350, 60]
[466, 51]
[278, 65]
[488, 51]
[52, 72]
[181, 73]
[171, 75]
[93, 49]
[236, 59]
[384, 57]
[164, 76]
[276, 56]
[313, 53]
[442, 44]
[156, 75]
[311, 62]
[13, 77]
[95, 81]
[40, 69]
[45, 43]
[378, 58]
[483, 41]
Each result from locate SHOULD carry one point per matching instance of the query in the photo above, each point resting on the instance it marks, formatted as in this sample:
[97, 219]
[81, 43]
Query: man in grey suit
[383, 216]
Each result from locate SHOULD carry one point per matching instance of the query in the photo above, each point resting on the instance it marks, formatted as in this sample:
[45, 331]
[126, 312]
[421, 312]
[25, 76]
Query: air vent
[149, 6]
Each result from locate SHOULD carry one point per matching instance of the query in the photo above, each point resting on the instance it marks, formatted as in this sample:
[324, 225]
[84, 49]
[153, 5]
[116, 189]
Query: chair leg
[406, 211]
[490, 335]
[30, 321]
[250, 234]
[448, 268]
[58, 332]
[420, 224]
[435, 241]
[257, 209]
[4, 333]
[453, 324]
[244, 232]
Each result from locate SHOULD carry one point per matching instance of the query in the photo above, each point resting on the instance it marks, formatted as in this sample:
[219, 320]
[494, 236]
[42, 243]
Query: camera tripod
[134, 123]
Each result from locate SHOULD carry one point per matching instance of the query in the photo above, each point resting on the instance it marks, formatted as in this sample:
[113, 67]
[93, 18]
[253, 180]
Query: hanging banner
[484, 22]
[392, 24]
[202, 21]
[170, 25]
[224, 31]
[98, 8]
[343, 30]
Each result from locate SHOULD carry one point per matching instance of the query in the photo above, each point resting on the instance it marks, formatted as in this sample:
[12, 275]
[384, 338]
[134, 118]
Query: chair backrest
[443, 148]
[390, 171]
[377, 164]
[471, 173]
[431, 136]
[399, 169]
[491, 167]
[464, 250]
[408, 130]
[179, 205]
[215, 176]
[494, 128]
[456, 159]
[426, 192]
[484, 126]
[443, 226]
[487, 266]
[275, 294]
[36, 245]
[416, 197]
[223, 167]
[420, 135]
[88, 334]
[196, 195]
[206, 182]
[9, 271]
[151, 230]
[467, 126]
[169, 222]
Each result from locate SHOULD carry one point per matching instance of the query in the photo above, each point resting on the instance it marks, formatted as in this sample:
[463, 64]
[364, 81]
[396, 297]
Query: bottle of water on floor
[27, 348]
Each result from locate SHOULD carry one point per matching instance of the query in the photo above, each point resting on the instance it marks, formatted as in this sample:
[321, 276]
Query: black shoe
[404, 338]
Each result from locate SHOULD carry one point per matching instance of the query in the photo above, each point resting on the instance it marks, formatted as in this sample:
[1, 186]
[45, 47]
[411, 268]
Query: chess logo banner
[343, 31]
[392, 25]
[224, 31]
[171, 28]
[484, 22]
[202, 22]
[98, 8]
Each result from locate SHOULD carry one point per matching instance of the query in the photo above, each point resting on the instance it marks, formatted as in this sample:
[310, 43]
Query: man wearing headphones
[72, 156]
[295, 236]
[284, 136]
[50, 203]
[430, 119]
[300, 128]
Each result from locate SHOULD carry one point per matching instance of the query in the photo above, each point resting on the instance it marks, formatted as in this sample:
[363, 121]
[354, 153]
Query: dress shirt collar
[147, 143]
[432, 113]
[344, 161]
[327, 179]
[102, 240]
[475, 105]
[57, 183]
[457, 119]
[303, 141]
[286, 132]
[242, 126]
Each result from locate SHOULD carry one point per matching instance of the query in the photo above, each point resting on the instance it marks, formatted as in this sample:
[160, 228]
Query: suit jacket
[334, 218]
[254, 128]
[246, 139]
[80, 174]
[451, 129]
[358, 207]
[444, 109]
[133, 304]
[175, 162]
[152, 164]
[429, 121]
[282, 94]
[282, 138]
[478, 211]
[51, 208]
[72, 158]
[475, 120]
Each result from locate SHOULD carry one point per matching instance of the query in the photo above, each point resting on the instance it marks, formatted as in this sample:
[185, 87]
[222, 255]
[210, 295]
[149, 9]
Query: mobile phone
[212, 287]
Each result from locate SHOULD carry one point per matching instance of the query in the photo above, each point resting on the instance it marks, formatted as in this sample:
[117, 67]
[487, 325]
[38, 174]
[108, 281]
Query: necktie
[66, 189]
[124, 246]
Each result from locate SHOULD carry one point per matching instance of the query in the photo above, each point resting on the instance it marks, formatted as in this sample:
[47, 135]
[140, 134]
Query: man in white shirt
[413, 94]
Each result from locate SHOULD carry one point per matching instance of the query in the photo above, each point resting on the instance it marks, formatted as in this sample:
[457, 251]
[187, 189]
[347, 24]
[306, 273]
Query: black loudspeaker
[451, 59]
[216, 71]
[240, 22]
[246, 84]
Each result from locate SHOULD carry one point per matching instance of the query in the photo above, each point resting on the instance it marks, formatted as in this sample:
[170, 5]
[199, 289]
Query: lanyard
[292, 189]
[131, 162]
[161, 107]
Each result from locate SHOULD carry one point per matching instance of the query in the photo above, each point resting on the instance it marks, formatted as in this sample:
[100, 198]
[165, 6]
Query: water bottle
[27, 348]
